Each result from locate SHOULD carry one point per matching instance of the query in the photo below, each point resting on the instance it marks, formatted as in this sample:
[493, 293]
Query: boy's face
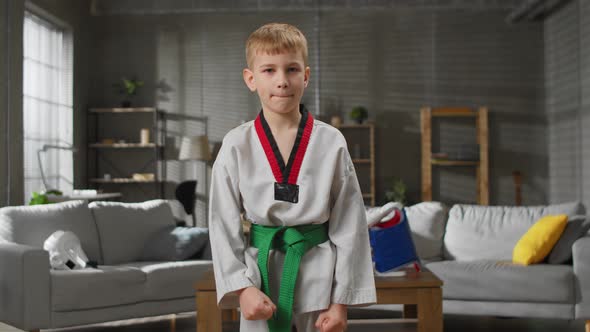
[279, 80]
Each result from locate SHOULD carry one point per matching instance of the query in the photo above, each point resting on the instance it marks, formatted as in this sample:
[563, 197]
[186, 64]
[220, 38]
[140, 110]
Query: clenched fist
[333, 319]
[255, 305]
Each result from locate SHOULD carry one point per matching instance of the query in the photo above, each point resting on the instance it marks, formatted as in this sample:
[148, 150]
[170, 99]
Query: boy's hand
[333, 319]
[255, 305]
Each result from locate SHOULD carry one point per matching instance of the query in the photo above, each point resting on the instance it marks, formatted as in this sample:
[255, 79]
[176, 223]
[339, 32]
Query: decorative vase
[144, 136]
[336, 121]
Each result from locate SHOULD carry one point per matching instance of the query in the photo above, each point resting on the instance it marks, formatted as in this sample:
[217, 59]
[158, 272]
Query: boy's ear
[249, 79]
[306, 78]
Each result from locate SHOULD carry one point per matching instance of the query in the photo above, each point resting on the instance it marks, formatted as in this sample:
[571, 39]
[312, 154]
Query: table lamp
[45, 148]
[196, 148]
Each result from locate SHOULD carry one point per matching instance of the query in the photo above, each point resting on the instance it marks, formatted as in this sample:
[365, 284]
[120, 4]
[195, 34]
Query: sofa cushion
[476, 232]
[576, 227]
[175, 243]
[171, 280]
[427, 222]
[504, 281]
[90, 288]
[125, 228]
[32, 225]
[538, 241]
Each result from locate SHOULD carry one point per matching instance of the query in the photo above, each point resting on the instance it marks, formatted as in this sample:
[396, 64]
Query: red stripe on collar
[274, 165]
[301, 151]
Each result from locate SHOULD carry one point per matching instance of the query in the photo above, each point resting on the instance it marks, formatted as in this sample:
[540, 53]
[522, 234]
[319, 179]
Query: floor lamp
[197, 148]
[45, 148]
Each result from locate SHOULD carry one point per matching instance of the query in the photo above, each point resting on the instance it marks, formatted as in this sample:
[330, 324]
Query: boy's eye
[268, 70]
[293, 69]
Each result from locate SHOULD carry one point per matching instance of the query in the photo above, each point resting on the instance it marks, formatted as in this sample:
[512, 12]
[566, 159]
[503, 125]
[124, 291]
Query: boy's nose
[282, 81]
[283, 84]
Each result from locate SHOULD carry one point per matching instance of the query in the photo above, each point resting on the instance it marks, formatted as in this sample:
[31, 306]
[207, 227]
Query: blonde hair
[275, 38]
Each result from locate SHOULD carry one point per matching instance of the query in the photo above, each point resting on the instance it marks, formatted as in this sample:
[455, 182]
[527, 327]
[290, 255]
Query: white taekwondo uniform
[320, 169]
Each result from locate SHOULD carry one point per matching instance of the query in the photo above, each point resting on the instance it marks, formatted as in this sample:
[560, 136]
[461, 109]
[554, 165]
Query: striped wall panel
[4, 151]
[392, 61]
[585, 94]
[11, 78]
[562, 72]
[479, 60]
[346, 47]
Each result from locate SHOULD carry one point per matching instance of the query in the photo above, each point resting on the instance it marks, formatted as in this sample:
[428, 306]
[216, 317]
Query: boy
[293, 179]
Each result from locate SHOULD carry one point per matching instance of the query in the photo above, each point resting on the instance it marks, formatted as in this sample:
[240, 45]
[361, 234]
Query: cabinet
[118, 157]
[481, 166]
[361, 145]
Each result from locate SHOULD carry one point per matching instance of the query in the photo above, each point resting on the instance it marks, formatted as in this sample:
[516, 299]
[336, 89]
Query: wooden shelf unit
[454, 162]
[121, 180]
[123, 146]
[370, 161]
[482, 165]
[120, 175]
[124, 110]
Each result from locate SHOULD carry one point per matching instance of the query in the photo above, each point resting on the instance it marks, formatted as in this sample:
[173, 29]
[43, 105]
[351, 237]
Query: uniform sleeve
[354, 283]
[225, 229]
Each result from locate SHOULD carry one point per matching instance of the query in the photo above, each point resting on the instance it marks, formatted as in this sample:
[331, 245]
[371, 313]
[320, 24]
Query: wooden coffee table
[419, 292]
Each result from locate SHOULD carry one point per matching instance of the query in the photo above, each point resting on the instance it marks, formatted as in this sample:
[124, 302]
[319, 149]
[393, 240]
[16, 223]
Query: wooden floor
[452, 323]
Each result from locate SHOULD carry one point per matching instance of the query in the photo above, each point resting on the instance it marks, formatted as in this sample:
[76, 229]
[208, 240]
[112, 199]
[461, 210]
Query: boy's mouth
[282, 96]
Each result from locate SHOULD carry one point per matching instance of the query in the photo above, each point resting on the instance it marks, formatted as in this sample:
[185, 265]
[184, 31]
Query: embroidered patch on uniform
[286, 192]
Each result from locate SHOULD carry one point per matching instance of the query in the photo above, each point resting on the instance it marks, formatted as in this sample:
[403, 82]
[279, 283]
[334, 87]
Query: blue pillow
[175, 243]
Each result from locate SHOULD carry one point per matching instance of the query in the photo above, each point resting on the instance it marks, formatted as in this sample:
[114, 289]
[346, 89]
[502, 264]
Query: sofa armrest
[24, 286]
[581, 261]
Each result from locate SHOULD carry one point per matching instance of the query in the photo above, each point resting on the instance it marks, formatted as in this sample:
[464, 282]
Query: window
[47, 105]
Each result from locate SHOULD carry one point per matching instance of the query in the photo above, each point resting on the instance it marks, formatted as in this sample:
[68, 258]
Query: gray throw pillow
[576, 227]
[175, 243]
[205, 253]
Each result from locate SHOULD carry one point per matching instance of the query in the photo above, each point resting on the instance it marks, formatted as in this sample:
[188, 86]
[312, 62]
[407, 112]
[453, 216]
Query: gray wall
[76, 14]
[11, 153]
[451, 58]
[585, 95]
[535, 78]
[392, 61]
[3, 114]
[567, 67]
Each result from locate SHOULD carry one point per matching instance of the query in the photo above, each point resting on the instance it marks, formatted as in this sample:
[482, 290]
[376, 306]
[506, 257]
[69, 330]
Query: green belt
[295, 242]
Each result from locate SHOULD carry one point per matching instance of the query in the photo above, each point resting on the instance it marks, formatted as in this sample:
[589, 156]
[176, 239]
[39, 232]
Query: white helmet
[65, 251]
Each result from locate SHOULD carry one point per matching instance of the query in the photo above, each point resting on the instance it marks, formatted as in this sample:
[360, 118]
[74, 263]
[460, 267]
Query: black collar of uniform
[285, 170]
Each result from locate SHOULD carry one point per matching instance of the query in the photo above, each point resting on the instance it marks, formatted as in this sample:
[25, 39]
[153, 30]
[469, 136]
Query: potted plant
[41, 197]
[397, 192]
[128, 88]
[359, 114]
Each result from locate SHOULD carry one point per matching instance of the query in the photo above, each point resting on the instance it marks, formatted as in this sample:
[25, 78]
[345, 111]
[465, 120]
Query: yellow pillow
[538, 241]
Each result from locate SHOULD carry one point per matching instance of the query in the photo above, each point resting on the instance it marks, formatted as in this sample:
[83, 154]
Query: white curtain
[47, 104]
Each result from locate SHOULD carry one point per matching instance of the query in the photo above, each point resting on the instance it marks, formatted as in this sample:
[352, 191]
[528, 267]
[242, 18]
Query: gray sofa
[470, 249]
[34, 296]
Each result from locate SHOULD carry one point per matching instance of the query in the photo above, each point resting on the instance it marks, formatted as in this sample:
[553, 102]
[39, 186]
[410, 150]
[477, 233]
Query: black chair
[186, 194]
